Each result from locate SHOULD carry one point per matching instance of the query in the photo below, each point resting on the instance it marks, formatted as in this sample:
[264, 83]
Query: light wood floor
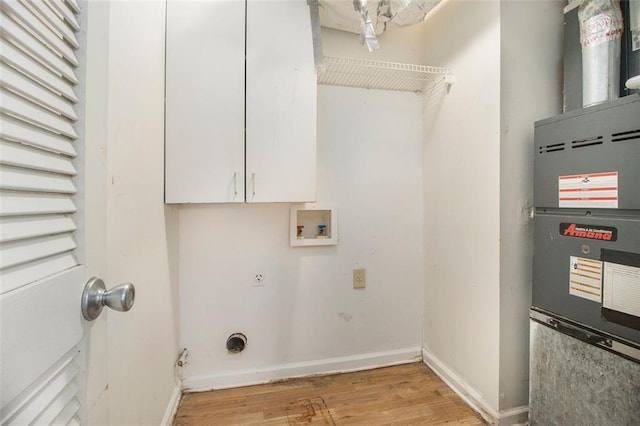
[408, 394]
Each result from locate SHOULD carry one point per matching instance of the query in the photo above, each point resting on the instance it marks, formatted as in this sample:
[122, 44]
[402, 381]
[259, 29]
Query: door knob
[96, 296]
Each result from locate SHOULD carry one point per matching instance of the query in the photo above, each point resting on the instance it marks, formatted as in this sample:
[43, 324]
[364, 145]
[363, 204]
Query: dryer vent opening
[236, 343]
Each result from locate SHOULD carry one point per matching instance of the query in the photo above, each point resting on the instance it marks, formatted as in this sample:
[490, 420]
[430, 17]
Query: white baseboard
[299, 369]
[514, 416]
[468, 394]
[172, 407]
[472, 397]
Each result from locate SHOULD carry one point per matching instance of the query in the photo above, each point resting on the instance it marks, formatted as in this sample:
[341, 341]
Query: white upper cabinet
[214, 92]
[204, 158]
[281, 102]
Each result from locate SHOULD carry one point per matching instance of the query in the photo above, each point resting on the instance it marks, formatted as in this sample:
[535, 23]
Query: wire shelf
[381, 75]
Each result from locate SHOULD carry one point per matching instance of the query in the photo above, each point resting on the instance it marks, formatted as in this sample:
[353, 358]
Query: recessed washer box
[313, 224]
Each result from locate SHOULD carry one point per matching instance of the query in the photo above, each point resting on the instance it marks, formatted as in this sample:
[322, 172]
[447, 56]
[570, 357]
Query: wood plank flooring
[409, 394]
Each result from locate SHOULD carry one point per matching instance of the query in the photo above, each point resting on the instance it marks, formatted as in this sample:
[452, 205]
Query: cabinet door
[281, 102]
[204, 158]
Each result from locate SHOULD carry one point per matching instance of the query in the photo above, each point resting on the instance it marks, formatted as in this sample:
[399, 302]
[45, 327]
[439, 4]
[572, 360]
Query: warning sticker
[592, 190]
[585, 278]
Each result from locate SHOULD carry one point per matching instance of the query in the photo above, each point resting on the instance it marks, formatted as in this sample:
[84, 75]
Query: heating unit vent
[581, 143]
[552, 148]
[626, 136]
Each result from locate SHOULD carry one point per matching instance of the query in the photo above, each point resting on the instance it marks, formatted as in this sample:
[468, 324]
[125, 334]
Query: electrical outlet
[258, 280]
[359, 278]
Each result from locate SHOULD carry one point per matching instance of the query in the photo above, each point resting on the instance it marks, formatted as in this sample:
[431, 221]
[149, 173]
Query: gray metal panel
[572, 62]
[552, 259]
[582, 141]
[573, 383]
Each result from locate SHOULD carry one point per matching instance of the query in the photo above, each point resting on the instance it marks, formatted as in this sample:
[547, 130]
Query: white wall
[506, 57]
[531, 88]
[397, 45]
[462, 198]
[307, 317]
[141, 231]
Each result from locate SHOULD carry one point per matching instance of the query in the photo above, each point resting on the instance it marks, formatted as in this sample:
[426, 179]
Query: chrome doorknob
[96, 296]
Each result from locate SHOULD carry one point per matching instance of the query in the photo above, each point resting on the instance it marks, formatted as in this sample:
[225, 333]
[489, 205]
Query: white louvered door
[41, 277]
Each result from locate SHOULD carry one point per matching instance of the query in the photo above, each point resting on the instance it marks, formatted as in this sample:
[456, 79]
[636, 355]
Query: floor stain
[309, 411]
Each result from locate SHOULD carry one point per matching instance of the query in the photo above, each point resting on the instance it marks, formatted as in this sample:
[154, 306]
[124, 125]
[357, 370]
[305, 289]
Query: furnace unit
[587, 223]
[586, 268]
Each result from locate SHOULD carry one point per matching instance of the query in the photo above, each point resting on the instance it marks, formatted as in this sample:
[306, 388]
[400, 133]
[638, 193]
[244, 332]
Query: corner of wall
[172, 230]
[530, 67]
[172, 407]
[461, 187]
[472, 397]
[468, 393]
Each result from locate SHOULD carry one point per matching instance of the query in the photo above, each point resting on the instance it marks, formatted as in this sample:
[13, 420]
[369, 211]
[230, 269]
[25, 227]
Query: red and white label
[601, 29]
[592, 190]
